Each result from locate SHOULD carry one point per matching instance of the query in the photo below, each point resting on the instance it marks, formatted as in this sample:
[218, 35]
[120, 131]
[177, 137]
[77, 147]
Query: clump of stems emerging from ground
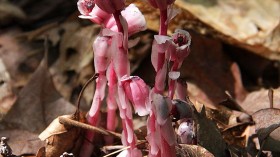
[118, 23]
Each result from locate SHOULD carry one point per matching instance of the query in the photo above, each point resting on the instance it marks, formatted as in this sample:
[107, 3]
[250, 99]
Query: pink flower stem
[171, 88]
[123, 59]
[111, 108]
[161, 55]
[117, 15]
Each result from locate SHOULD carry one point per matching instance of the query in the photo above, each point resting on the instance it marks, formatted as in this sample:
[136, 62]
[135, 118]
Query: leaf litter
[34, 100]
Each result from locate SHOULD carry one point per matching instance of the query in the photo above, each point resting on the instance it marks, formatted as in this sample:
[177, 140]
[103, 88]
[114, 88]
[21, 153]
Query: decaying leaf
[184, 150]
[60, 138]
[258, 100]
[38, 103]
[267, 127]
[22, 142]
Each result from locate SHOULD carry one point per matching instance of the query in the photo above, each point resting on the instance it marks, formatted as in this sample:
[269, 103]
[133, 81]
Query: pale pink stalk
[111, 102]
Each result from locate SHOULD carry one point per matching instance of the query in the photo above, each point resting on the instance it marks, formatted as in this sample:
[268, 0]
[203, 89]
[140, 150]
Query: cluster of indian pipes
[118, 23]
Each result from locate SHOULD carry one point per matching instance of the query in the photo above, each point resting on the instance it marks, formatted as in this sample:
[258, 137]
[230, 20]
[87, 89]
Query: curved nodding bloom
[161, 4]
[137, 92]
[111, 6]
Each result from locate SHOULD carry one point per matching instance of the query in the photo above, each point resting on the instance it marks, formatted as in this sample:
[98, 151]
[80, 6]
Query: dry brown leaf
[258, 100]
[60, 138]
[38, 103]
[250, 24]
[22, 142]
[205, 127]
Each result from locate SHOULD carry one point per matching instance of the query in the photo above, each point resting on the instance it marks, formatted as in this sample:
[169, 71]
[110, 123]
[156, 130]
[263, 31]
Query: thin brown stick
[70, 122]
[95, 76]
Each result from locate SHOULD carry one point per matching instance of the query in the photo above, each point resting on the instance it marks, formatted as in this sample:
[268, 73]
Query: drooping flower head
[137, 92]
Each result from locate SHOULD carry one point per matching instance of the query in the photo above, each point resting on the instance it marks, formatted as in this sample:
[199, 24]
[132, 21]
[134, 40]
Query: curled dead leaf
[60, 138]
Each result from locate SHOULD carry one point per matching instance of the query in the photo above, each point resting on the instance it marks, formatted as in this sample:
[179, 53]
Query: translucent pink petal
[99, 16]
[129, 129]
[135, 19]
[102, 56]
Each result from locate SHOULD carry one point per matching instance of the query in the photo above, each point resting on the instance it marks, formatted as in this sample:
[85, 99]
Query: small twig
[70, 122]
[270, 97]
[81, 93]
[109, 148]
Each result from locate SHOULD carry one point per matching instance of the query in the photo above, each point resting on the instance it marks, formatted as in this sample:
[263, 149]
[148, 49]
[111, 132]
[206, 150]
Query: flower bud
[137, 92]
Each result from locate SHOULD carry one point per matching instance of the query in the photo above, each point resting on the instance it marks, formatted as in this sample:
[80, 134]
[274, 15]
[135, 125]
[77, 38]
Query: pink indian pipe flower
[178, 50]
[180, 46]
[137, 92]
[111, 6]
[161, 4]
[135, 19]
